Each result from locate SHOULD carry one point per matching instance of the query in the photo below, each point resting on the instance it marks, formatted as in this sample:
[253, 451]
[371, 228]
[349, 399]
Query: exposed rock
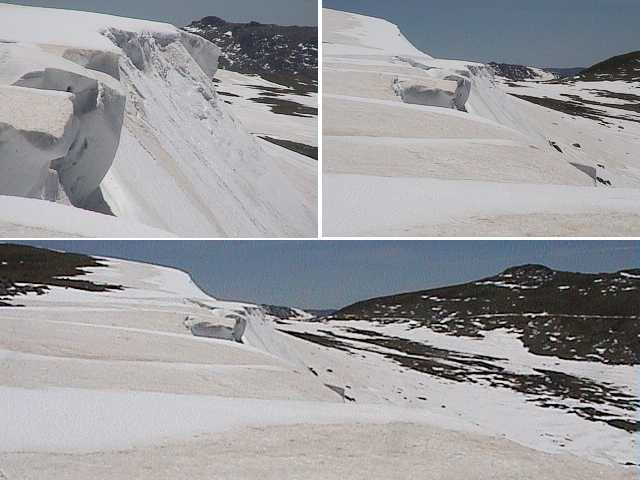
[272, 51]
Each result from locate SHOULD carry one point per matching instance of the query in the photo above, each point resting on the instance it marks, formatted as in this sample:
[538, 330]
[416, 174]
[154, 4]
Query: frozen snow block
[99, 107]
[220, 332]
[36, 127]
[435, 93]
[88, 79]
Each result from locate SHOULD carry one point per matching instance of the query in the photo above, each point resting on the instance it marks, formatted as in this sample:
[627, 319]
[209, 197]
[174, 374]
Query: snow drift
[118, 378]
[121, 117]
[415, 146]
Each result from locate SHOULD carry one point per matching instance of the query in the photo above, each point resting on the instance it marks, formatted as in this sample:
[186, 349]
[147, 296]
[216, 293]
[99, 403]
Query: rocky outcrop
[262, 49]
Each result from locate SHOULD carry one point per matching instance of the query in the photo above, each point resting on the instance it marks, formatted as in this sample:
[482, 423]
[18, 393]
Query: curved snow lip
[69, 28]
[357, 34]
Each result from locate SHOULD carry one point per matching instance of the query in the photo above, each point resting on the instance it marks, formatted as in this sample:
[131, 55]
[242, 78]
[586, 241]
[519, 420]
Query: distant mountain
[575, 316]
[564, 72]
[321, 313]
[286, 313]
[272, 51]
[518, 73]
[290, 313]
[622, 67]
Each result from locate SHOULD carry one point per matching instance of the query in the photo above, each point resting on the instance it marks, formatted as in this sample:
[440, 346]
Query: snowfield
[417, 146]
[118, 384]
[121, 117]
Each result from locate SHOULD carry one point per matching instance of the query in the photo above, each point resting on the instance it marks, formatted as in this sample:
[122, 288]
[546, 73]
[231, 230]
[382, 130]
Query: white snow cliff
[121, 117]
[419, 146]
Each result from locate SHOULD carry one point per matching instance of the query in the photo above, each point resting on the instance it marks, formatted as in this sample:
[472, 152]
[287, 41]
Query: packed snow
[115, 385]
[32, 218]
[417, 146]
[121, 117]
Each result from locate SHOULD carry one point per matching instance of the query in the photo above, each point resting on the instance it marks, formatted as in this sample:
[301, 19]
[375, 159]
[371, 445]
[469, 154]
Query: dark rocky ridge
[280, 312]
[287, 55]
[517, 73]
[574, 316]
[25, 269]
[564, 72]
[622, 67]
[289, 313]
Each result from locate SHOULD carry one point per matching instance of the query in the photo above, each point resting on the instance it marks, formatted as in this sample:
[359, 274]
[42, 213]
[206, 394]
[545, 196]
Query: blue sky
[547, 33]
[183, 12]
[329, 274]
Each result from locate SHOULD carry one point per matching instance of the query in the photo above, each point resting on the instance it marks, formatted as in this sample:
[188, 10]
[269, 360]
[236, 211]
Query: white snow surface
[417, 146]
[140, 132]
[358, 33]
[117, 375]
[31, 218]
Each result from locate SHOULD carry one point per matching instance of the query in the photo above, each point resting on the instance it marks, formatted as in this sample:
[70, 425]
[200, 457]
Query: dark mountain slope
[622, 67]
[517, 73]
[25, 269]
[569, 315]
[277, 53]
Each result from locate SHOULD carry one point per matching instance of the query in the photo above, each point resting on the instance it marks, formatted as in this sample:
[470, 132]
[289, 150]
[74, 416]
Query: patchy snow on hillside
[390, 363]
[416, 146]
[269, 109]
[119, 384]
[121, 117]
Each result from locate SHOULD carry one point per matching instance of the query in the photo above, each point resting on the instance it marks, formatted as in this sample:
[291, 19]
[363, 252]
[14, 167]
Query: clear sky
[183, 12]
[326, 274]
[545, 33]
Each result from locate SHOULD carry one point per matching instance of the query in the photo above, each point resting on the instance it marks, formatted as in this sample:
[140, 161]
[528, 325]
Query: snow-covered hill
[607, 93]
[420, 146]
[121, 117]
[548, 358]
[112, 369]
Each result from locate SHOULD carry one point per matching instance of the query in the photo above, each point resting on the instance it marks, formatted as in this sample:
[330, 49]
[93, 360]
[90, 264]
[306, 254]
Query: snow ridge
[136, 129]
[405, 132]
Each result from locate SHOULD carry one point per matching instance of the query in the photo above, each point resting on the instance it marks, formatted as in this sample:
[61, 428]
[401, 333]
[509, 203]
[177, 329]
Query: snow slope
[240, 91]
[113, 384]
[377, 372]
[32, 218]
[420, 146]
[138, 130]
